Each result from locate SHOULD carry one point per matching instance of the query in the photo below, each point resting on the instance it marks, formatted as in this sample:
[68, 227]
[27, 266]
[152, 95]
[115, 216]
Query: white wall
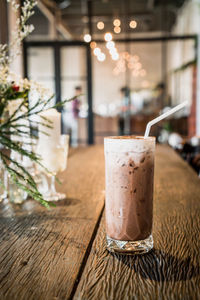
[106, 85]
[188, 22]
[188, 18]
[180, 83]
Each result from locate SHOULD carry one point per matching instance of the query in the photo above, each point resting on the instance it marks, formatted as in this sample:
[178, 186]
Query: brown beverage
[129, 162]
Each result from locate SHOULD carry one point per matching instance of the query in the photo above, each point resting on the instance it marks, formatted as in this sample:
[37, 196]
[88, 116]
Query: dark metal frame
[56, 45]
[153, 39]
[4, 36]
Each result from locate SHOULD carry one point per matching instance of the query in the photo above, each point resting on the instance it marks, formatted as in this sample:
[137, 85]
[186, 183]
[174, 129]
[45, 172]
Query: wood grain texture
[41, 251]
[171, 270]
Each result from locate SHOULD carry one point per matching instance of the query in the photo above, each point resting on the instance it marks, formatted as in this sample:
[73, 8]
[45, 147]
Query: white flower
[9, 52]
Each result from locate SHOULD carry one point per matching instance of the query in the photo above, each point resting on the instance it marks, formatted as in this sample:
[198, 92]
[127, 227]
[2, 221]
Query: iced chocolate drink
[129, 164]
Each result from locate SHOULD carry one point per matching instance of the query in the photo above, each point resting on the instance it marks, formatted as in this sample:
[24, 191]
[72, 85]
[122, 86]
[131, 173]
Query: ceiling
[82, 16]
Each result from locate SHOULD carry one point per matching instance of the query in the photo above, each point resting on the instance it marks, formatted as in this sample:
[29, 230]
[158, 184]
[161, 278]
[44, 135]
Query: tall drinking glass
[55, 160]
[129, 167]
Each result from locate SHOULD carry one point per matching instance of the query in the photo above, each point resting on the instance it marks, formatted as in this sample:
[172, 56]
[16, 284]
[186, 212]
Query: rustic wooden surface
[171, 270]
[42, 252]
[61, 254]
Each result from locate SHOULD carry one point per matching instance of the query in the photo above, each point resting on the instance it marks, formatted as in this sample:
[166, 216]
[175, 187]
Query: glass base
[54, 197]
[130, 247]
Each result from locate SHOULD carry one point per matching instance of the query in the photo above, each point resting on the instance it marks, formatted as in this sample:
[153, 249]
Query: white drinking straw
[163, 116]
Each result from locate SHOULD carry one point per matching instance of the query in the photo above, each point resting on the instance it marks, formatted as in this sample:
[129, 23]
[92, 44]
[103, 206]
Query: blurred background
[125, 62]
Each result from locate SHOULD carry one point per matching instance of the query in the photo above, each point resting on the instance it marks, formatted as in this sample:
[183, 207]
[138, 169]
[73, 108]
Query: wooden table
[61, 254]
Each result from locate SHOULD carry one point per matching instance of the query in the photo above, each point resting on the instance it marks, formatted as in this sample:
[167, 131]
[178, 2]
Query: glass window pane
[74, 83]
[41, 67]
[73, 62]
[152, 74]
[123, 87]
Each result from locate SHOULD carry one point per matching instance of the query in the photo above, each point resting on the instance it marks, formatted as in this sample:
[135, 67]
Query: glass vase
[3, 183]
[15, 194]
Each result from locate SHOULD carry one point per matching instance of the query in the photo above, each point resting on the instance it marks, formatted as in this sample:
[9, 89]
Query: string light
[138, 66]
[97, 51]
[108, 37]
[100, 25]
[135, 73]
[133, 24]
[93, 45]
[127, 56]
[110, 45]
[87, 38]
[130, 65]
[117, 22]
[117, 29]
[115, 56]
[112, 51]
[121, 64]
[101, 57]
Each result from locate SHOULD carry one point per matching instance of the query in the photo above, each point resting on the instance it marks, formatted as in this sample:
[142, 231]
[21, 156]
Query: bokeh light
[97, 51]
[87, 38]
[115, 56]
[133, 24]
[101, 57]
[135, 58]
[138, 66]
[93, 45]
[108, 37]
[110, 45]
[100, 25]
[117, 22]
[112, 51]
[117, 29]
[135, 73]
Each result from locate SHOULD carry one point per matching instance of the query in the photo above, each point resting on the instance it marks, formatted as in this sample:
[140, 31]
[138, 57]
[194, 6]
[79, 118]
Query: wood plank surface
[42, 252]
[171, 270]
